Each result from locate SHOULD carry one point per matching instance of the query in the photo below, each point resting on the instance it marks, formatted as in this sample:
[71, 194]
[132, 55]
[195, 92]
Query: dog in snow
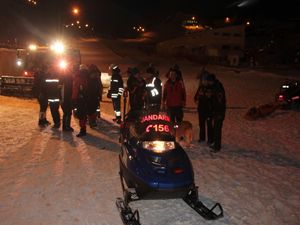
[184, 133]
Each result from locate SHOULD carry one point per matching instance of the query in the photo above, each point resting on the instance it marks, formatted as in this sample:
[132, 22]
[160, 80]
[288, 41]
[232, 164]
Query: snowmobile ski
[209, 214]
[128, 217]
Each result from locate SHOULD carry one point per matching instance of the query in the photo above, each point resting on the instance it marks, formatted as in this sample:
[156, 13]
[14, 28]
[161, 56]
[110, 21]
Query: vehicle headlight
[159, 146]
[19, 62]
[32, 47]
[63, 64]
[58, 47]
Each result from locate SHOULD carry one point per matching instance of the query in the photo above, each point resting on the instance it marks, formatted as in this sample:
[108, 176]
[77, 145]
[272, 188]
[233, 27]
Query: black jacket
[203, 97]
[116, 85]
[218, 100]
[136, 89]
[154, 91]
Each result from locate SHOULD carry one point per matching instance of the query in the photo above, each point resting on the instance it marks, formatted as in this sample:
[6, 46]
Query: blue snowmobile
[154, 166]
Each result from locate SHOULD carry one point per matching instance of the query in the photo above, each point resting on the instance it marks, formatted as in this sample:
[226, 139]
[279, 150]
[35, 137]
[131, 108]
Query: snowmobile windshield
[154, 127]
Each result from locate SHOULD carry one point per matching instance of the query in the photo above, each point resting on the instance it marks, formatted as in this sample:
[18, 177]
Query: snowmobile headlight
[159, 146]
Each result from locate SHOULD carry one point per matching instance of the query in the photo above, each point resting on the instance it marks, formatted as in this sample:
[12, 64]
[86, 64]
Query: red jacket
[174, 94]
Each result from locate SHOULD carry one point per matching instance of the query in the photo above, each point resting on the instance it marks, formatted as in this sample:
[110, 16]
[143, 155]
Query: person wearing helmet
[116, 91]
[153, 88]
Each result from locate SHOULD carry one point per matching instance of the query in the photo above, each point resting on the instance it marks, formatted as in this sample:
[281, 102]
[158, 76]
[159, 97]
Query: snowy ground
[53, 178]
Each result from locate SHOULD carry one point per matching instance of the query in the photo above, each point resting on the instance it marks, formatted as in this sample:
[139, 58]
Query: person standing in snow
[66, 100]
[203, 99]
[116, 91]
[79, 97]
[174, 97]
[153, 89]
[39, 89]
[94, 94]
[53, 88]
[218, 102]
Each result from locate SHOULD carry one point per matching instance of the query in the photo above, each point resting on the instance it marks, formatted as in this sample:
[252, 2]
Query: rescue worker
[39, 91]
[203, 98]
[116, 91]
[136, 88]
[174, 97]
[66, 92]
[53, 88]
[218, 111]
[79, 97]
[94, 94]
[153, 89]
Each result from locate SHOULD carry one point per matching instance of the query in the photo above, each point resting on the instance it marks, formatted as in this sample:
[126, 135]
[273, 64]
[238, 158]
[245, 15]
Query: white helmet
[113, 67]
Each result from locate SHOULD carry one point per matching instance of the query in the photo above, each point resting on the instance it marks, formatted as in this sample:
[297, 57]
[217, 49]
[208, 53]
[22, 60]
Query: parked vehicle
[289, 94]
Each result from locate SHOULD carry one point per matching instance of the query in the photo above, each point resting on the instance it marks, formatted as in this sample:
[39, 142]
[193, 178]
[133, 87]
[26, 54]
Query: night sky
[116, 15]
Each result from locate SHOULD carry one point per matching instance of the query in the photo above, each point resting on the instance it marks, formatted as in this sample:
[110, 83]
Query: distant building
[192, 25]
[222, 45]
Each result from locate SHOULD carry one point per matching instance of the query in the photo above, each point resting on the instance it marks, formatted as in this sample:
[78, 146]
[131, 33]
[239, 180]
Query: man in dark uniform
[218, 110]
[153, 89]
[116, 91]
[40, 93]
[53, 88]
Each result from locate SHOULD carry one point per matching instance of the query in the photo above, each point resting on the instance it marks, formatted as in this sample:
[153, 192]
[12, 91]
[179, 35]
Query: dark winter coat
[39, 84]
[94, 88]
[116, 85]
[53, 86]
[136, 88]
[218, 100]
[67, 86]
[203, 97]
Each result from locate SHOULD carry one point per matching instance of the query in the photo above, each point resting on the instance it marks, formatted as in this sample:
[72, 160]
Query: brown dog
[261, 111]
[184, 133]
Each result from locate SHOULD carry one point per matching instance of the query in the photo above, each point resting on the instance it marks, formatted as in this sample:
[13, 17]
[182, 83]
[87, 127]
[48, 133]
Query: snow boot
[66, 123]
[81, 133]
[56, 126]
[93, 124]
[118, 120]
[43, 122]
[93, 120]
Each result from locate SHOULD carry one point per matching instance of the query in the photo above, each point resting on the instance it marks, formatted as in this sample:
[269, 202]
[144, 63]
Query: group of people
[76, 88]
[146, 91]
[79, 88]
[211, 101]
